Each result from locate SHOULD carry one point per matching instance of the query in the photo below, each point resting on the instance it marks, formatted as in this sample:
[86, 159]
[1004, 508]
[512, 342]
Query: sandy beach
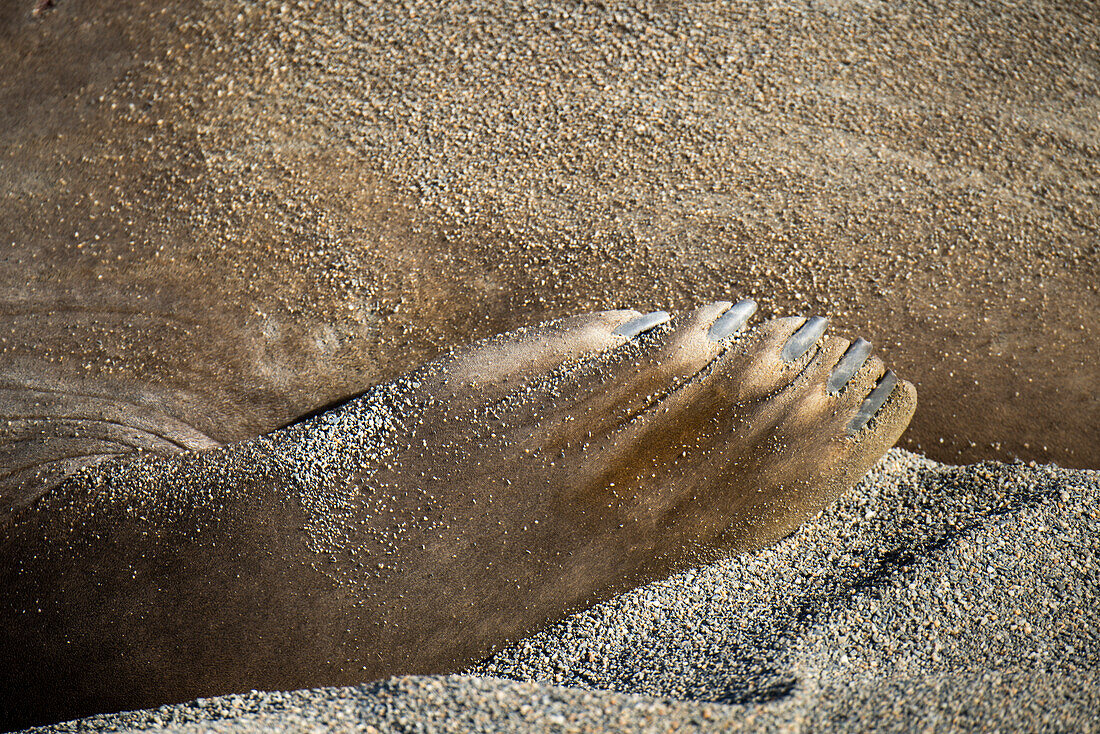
[383, 181]
[931, 597]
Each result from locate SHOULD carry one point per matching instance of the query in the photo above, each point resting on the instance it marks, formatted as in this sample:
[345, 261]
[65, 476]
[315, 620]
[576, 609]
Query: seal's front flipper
[420, 526]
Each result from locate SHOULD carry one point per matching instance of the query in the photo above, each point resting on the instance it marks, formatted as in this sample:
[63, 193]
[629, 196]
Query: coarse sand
[372, 183]
[362, 185]
[931, 597]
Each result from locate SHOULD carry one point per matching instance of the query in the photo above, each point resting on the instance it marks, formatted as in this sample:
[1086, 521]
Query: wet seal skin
[422, 525]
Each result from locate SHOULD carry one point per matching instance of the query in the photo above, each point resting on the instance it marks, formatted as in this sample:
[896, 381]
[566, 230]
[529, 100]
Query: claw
[642, 323]
[848, 365]
[806, 336]
[732, 320]
[873, 402]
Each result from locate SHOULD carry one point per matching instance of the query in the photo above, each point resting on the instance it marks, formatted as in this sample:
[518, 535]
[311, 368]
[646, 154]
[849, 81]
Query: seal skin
[419, 527]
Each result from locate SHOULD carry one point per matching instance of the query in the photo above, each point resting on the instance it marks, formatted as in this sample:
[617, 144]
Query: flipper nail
[873, 402]
[732, 320]
[848, 365]
[806, 336]
[641, 324]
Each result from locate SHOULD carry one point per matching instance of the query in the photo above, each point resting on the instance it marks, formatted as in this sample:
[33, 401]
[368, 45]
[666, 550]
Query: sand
[385, 181]
[376, 182]
[931, 597]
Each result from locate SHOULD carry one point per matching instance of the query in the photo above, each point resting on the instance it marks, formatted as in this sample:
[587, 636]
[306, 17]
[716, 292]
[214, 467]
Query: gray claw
[848, 365]
[732, 320]
[806, 336]
[873, 402]
[645, 322]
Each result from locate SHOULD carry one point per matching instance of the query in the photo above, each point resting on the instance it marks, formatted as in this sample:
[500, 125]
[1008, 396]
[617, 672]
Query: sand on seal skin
[421, 526]
[931, 597]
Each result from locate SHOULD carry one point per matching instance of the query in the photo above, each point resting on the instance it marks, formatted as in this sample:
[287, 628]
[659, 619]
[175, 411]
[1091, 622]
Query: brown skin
[521, 479]
[222, 177]
[169, 231]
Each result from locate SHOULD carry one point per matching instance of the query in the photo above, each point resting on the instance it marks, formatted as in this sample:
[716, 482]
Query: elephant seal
[190, 503]
[421, 525]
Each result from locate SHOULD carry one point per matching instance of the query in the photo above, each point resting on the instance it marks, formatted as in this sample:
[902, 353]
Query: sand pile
[929, 596]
